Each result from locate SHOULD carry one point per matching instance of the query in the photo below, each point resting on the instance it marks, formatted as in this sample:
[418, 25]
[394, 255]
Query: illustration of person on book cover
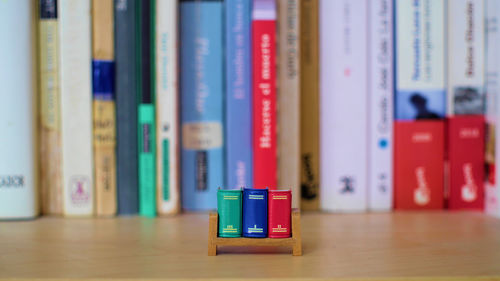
[417, 105]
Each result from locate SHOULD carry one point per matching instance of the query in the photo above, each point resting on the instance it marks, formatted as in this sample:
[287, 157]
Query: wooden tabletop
[334, 246]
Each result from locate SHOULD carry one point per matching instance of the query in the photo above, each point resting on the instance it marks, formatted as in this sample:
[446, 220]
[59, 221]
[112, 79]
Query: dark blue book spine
[126, 107]
[255, 213]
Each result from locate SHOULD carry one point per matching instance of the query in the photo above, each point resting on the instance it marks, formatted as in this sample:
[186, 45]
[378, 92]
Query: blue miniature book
[254, 213]
[202, 101]
[238, 94]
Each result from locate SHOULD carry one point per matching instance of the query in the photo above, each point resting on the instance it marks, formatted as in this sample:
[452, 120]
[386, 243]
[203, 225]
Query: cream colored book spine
[289, 99]
[76, 107]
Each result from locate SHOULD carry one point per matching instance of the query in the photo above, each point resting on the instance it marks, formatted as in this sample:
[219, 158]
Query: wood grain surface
[404, 246]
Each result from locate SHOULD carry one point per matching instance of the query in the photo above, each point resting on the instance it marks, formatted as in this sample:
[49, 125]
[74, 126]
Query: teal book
[229, 210]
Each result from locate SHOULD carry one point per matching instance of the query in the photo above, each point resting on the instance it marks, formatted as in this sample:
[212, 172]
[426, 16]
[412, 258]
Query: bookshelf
[410, 244]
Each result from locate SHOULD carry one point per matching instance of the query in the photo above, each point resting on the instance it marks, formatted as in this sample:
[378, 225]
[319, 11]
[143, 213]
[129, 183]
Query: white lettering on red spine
[420, 137]
[265, 138]
[422, 194]
[468, 133]
[469, 189]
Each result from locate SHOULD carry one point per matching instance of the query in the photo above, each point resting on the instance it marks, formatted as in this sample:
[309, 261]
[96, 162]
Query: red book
[264, 102]
[466, 162]
[280, 212]
[419, 165]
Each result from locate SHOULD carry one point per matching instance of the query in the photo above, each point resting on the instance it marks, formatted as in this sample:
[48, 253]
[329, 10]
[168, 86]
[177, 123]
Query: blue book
[202, 107]
[238, 94]
[254, 212]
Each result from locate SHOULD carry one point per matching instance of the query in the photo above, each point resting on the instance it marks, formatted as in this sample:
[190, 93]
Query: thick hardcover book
[466, 162]
[229, 209]
[343, 109]
[239, 156]
[420, 59]
[126, 62]
[51, 186]
[380, 105]
[419, 165]
[264, 93]
[146, 110]
[104, 107]
[255, 212]
[492, 200]
[466, 64]
[76, 107]
[167, 104]
[280, 213]
[309, 104]
[289, 98]
[18, 192]
[202, 104]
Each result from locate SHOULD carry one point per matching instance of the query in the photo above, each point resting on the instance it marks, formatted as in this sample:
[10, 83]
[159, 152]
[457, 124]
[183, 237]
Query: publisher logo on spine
[80, 190]
[469, 189]
[421, 195]
[347, 184]
[12, 181]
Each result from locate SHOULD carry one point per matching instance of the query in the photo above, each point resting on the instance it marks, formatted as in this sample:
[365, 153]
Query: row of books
[397, 97]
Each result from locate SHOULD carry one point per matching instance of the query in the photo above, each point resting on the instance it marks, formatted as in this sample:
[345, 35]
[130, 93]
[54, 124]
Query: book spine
[202, 103]
[380, 105]
[309, 104]
[466, 64]
[466, 162]
[76, 108]
[229, 209]
[167, 128]
[255, 212]
[344, 105]
[51, 185]
[18, 192]
[126, 108]
[289, 99]
[280, 213]
[239, 150]
[419, 165]
[492, 82]
[146, 113]
[419, 61]
[264, 93]
[104, 107]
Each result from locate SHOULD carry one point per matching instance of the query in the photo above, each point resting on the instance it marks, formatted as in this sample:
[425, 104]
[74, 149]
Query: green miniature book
[229, 209]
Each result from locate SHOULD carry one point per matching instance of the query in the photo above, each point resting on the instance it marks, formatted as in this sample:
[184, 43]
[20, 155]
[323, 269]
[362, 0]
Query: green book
[229, 209]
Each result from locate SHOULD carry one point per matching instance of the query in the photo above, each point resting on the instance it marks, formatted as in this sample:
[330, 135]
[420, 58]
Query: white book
[343, 109]
[466, 64]
[18, 192]
[167, 104]
[380, 105]
[76, 107]
[289, 99]
[492, 191]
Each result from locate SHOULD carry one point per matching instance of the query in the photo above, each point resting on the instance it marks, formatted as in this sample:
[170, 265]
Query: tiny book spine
[343, 109]
[146, 110]
[202, 103]
[466, 162]
[264, 93]
[380, 105]
[255, 212]
[104, 114]
[239, 150]
[76, 108]
[126, 107]
[229, 204]
[288, 113]
[466, 64]
[167, 104]
[419, 165]
[51, 186]
[309, 104]
[280, 213]
[18, 111]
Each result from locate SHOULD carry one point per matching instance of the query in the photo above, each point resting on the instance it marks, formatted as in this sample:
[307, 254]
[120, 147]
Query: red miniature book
[466, 162]
[419, 165]
[280, 211]
[264, 94]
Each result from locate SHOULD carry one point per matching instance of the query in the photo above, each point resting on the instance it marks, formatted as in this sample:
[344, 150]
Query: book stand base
[295, 242]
